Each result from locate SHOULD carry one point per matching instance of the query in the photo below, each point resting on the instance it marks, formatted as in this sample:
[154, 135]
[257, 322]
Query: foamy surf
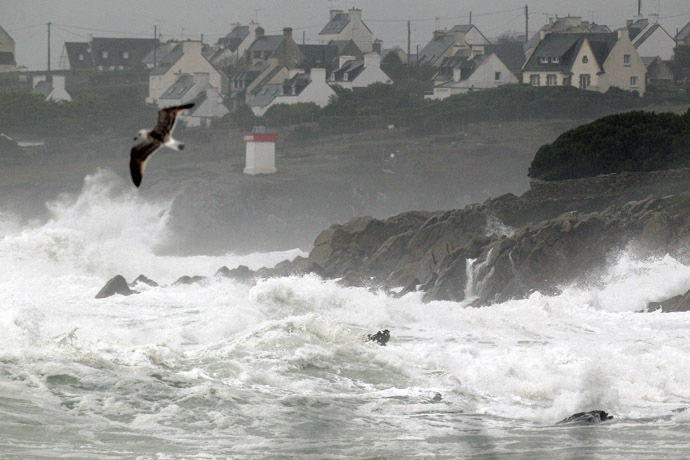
[282, 368]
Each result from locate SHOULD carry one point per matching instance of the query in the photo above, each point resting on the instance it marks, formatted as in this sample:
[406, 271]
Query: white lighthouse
[261, 153]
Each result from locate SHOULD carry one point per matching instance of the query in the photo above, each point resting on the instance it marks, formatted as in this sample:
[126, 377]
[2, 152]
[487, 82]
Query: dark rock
[679, 303]
[116, 285]
[189, 280]
[381, 337]
[584, 418]
[242, 274]
[296, 267]
[143, 279]
[412, 287]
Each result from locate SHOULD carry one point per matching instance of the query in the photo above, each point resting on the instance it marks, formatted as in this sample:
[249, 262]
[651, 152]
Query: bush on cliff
[633, 141]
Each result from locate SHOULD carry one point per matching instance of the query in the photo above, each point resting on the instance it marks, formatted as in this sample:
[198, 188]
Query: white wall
[372, 72]
[59, 93]
[658, 44]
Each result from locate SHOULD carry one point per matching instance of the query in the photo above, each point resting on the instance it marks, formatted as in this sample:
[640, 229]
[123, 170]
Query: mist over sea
[281, 369]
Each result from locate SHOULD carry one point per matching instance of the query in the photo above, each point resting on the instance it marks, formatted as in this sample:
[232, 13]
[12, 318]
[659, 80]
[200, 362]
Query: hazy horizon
[73, 20]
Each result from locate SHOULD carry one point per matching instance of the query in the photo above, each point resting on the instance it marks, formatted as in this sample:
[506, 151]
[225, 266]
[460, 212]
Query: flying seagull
[159, 136]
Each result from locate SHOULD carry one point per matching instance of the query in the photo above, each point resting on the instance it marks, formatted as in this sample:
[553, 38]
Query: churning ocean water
[281, 369]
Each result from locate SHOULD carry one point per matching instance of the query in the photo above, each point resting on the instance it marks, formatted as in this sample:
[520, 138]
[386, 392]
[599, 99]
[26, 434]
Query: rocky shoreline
[506, 247]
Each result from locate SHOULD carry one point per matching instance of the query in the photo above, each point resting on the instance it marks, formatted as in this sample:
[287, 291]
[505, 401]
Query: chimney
[343, 59]
[259, 32]
[653, 18]
[376, 47]
[372, 60]
[456, 73]
[287, 32]
[201, 79]
[252, 26]
[438, 34]
[355, 14]
[628, 22]
[334, 13]
[623, 32]
[317, 74]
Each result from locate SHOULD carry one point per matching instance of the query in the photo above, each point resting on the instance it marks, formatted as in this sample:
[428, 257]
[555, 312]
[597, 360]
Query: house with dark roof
[7, 59]
[650, 38]
[106, 54]
[467, 72]
[589, 61]
[322, 56]
[659, 72]
[229, 50]
[565, 25]
[52, 89]
[280, 47]
[353, 73]
[347, 26]
[299, 87]
[386, 52]
[446, 43]
[208, 106]
[188, 58]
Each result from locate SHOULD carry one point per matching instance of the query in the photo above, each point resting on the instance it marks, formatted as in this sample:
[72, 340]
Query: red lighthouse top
[261, 137]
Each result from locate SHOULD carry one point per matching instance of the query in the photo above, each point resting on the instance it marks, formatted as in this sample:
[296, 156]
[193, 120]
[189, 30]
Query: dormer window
[544, 60]
[81, 56]
[555, 60]
[345, 76]
[104, 54]
[125, 55]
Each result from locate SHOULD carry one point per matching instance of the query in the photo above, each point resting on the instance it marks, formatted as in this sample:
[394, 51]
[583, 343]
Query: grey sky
[26, 20]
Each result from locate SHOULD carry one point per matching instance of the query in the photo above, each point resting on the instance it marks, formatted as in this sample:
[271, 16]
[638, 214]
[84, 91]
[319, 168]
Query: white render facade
[491, 72]
[317, 91]
[370, 74]
[355, 30]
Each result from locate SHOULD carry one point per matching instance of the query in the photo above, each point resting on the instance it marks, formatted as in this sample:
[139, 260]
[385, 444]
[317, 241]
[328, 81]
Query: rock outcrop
[115, 285]
[144, 280]
[587, 418]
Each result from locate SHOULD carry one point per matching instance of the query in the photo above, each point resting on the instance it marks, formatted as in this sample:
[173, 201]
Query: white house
[446, 43]
[650, 39]
[186, 57]
[51, 90]
[208, 105]
[352, 73]
[463, 74]
[299, 87]
[347, 26]
[595, 62]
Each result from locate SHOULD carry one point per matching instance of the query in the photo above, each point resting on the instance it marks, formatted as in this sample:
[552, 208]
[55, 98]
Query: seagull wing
[166, 120]
[137, 160]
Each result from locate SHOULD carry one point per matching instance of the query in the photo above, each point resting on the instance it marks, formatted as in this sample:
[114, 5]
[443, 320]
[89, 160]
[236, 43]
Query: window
[633, 82]
[345, 76]
[551, 80]
[104, 54]
[81, 57]
[534, 80]
[585, 59]
[497, 76]
[544, 60]
[585, 81]
[567, 81]
[125, 55]
[555, 60]
[626, 59]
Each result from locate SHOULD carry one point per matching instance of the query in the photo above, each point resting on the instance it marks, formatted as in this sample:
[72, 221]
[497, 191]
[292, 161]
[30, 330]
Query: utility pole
[470, 17]
[526, 23]
[304, 37]
[155, 45]
[49, 24]
[409, 34]
[639, 7]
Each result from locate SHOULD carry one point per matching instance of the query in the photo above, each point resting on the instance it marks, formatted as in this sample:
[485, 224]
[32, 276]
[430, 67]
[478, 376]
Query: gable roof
[266, 95]
[234, 38]
[336, 25]
[435, 49]
[566, 47]
[646, 33]
[160, 52]
[7, 59]
[44, 88]
[636, 27]
[74, 50]
[352, 68]
[168, 60]
[266, 43]
[125, 52]
[511, 54]
[178, 89]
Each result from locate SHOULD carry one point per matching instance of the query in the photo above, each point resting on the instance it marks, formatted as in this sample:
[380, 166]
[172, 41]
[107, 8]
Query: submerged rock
[242, 273]
[144, 280]
[583, 418]
[189, 280]
[115, 285]
[381, 337]
[678, 303]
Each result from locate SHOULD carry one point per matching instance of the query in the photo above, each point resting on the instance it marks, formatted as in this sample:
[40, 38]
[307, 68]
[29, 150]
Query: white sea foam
[262, 370]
